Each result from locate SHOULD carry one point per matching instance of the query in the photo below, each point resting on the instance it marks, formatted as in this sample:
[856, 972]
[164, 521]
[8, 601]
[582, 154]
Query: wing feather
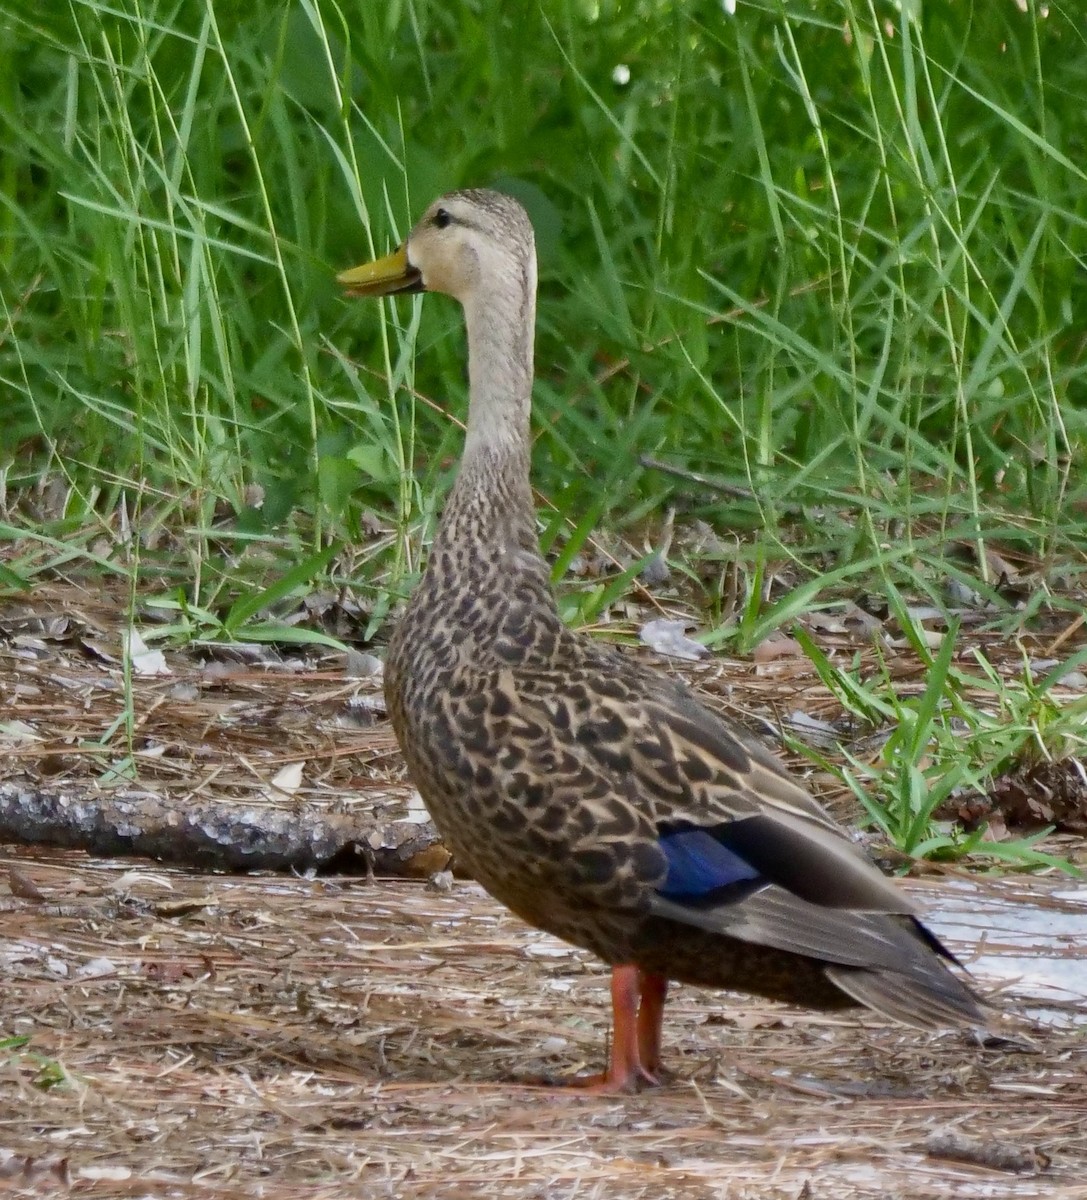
[667, 758]
[775, 917]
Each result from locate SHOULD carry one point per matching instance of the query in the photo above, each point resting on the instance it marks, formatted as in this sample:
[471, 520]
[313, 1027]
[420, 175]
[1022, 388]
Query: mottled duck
[592, 795]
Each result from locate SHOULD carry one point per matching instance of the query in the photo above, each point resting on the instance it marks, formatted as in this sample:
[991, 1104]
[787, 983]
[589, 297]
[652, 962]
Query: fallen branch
[222, 836]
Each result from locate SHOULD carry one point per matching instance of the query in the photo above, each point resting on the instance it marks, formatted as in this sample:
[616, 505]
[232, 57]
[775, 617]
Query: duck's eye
[443, 218]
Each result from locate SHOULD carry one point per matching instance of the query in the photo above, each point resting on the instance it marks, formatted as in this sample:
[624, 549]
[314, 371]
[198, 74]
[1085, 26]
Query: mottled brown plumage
[594, 797]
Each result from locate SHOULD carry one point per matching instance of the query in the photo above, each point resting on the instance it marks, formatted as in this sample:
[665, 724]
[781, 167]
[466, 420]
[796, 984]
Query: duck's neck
[492, 498]
[501, 327]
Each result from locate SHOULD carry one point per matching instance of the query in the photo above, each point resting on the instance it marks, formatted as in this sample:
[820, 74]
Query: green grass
[37, 1069]
[967, 726]
[829, 255]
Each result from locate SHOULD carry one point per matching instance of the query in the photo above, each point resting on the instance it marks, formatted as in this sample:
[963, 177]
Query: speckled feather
[553, 765]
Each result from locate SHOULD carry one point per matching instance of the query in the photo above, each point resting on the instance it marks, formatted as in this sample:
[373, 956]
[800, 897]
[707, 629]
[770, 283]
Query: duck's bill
[384, 277]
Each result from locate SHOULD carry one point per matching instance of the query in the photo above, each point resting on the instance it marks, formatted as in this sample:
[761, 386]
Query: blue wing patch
[701, 868]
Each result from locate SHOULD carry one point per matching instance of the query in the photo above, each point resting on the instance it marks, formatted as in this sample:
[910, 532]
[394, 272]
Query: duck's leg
[625, 1071]
[637, 1005]
[654, 990]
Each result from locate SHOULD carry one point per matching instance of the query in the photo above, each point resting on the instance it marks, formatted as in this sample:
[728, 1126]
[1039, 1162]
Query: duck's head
[461, 240]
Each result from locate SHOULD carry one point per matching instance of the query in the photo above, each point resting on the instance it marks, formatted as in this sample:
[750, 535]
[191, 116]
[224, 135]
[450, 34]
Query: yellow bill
[383, 277]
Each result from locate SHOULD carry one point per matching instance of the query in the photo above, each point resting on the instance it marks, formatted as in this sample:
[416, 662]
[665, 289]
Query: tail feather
[889, 963]
[935, 999]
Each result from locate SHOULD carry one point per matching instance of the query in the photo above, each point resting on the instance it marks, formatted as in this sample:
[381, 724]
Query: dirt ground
[172, 1033]
[192, 1035]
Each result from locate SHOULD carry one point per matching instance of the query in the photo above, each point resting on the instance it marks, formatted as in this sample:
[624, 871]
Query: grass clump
[948, 744]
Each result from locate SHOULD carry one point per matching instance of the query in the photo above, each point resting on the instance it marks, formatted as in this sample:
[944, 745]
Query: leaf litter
[273, 1036]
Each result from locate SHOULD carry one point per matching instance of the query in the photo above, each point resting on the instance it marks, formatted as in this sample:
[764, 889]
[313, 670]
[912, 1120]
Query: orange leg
[637, 1003]
[650, 1020]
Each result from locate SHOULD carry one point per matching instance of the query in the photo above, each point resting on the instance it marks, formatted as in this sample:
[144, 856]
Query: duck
[588, 792]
